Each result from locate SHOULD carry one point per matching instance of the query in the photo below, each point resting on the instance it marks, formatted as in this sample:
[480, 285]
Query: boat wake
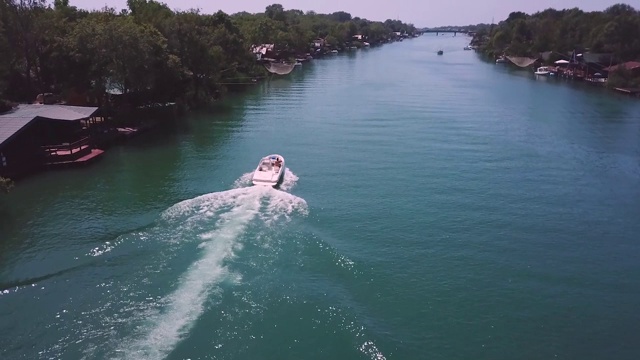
[219, 223]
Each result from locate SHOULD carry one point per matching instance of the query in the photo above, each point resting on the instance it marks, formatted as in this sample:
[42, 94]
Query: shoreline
[109, 130]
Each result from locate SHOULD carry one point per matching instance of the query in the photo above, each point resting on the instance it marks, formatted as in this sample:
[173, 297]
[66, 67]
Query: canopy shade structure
[279, 68]
[521, 61]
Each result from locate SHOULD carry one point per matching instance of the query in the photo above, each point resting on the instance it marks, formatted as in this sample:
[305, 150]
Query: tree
[115, 51]
[275, 12]
[340, 16]
[22, 33]
[149, 12]
[620, 10]
[5, 62]
[376, 32]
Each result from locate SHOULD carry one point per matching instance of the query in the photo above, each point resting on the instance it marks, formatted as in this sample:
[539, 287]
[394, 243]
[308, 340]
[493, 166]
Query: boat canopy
[521, 61]
[279, 68]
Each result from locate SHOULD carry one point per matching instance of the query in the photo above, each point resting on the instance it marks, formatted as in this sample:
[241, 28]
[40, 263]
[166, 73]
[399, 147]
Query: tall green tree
[149, 12]
[5, 60]
[275, 12]
[22, 31]
[117, 52]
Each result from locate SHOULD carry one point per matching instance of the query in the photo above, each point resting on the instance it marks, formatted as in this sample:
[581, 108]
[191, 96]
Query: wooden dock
[92, 156]
[628, 91]
[79, 153]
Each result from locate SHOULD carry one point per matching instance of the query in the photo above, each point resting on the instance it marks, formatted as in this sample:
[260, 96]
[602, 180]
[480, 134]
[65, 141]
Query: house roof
[262, 48]
[13, 121]
[601, 58]
[630, 65]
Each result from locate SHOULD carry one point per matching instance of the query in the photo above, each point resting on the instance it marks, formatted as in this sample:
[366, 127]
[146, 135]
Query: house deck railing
[67, 148]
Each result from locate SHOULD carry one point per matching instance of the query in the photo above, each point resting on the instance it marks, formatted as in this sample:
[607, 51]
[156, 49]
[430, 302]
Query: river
[434, 207]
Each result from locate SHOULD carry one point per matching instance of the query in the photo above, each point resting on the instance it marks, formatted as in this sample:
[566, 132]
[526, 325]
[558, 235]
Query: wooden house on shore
[36, 136]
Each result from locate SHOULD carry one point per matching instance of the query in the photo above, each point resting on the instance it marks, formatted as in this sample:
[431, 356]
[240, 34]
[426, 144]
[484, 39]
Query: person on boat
[278, 162]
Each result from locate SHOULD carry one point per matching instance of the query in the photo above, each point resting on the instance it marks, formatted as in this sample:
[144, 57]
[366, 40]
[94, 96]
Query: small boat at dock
[270, 171]
[542, 70]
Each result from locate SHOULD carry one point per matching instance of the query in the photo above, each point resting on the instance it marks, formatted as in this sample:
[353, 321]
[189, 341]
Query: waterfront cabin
[263, 51]
[36, 136]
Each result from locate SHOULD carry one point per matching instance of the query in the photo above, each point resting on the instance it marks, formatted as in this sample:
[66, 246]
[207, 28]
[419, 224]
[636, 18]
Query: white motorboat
[270, 171]
[542, 70]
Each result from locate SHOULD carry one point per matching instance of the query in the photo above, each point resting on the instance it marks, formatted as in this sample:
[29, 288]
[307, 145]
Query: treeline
[149, 50]
[465, 28]
[615, 30]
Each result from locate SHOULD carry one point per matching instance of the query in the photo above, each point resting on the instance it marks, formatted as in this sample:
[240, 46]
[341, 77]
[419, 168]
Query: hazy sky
[422, 13]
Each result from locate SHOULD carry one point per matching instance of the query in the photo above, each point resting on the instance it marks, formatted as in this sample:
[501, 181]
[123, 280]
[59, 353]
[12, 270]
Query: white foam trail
[105, 248]
[289, 181]
[370, 349]
[243, 181]
[235, 209]
[282, 205]
[186, 303]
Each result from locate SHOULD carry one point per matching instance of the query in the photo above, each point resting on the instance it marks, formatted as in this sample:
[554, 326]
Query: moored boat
[542, 70]
[270, 171]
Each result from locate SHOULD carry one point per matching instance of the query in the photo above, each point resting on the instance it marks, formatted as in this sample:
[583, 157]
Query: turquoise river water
[434, 207]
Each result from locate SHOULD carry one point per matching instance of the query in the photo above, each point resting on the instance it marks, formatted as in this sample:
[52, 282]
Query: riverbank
[619, 78]
[153, 54]
[125, 63]
[585, 45]
[88, 137]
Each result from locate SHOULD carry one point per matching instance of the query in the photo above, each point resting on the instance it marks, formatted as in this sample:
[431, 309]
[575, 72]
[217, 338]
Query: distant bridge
[447, 30]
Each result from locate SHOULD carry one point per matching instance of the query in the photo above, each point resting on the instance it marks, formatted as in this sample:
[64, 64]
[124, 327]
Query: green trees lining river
[615, 30]
[154, 52]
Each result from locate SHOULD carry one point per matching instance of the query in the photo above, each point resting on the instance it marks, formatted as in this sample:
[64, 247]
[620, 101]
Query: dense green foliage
[615, 30]
[153, 53]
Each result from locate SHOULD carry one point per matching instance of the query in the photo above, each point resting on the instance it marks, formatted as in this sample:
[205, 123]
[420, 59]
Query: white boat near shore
[542, 70]
[270, 171]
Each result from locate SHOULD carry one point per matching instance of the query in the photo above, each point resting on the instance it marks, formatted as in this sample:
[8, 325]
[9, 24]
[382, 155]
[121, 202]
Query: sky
[421, 13]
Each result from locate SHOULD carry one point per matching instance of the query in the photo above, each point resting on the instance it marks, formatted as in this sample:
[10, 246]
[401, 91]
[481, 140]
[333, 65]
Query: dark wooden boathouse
[35, 137]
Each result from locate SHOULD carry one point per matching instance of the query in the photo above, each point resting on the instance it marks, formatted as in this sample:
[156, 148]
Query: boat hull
[270, 171]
